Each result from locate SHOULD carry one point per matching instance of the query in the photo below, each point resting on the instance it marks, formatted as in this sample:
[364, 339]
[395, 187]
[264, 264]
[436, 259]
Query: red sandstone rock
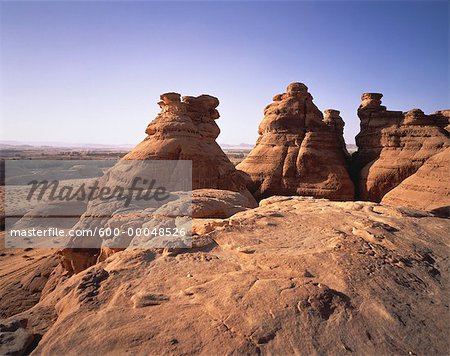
[299, 152]
[211, 203]
[314, 277]
[185, 129]
[392, 145]
[427, 189]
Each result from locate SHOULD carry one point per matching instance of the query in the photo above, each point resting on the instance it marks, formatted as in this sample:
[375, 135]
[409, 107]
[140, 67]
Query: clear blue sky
[92, 72]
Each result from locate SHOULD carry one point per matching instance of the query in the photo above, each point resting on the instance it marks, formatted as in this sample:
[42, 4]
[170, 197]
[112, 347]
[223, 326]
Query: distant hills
[33, 145]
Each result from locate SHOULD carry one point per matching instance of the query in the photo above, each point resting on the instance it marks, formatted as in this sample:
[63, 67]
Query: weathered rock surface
[314, 277]
[427, 189]
[213, 203]
[15, 339]
[392, 145]
[295, 275]
[185, 129]
[299, 152]
[75, 260]
[23, 274]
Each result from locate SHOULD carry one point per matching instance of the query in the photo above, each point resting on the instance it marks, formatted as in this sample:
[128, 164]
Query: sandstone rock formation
[392, 145]
[427, 189]
[315, 277]
[186, 130]
[294, 275]
[299, 152]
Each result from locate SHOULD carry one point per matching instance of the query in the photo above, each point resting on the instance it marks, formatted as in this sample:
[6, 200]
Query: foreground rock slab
[14, 339]
[296, 275]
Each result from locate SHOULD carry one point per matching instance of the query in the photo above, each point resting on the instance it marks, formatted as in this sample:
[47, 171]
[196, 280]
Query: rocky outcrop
[392, 145]
[185, 129]
[427, 189]
[299, 152]
[15, 339]
[293, 275]
[212, 203]
[313, 277]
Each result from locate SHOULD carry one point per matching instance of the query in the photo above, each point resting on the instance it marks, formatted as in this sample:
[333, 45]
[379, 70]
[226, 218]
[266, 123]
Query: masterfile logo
[94, 204]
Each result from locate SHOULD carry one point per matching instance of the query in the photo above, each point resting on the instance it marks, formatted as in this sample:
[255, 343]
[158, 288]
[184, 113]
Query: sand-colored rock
[15, 339]
[392, 145]
[23, 274]
[314, 277]
[201, 203]
[296, 275]
[299, 152]
[213, 203]
[75, 260]
[427, 189]
[185, 129]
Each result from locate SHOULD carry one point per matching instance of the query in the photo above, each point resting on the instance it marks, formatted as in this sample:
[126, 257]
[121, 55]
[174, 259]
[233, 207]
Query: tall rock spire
[299, 152]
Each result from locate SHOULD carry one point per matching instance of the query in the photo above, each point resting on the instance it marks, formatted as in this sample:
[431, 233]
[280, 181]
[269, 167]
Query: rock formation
[392, 145]
[293, 275]
[299, 152]
[427, 189]
[185, 129]
[314, 277]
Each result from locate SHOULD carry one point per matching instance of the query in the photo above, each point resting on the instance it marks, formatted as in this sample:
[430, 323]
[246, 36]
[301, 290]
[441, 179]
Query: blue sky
[92, 72]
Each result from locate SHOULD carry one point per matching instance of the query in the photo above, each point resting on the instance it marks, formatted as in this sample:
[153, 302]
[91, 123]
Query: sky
[92, 72]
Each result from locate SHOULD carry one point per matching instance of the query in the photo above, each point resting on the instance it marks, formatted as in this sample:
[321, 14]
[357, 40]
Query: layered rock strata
[428, 189]
[299, 151]
[185, 129]
[392, 145]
